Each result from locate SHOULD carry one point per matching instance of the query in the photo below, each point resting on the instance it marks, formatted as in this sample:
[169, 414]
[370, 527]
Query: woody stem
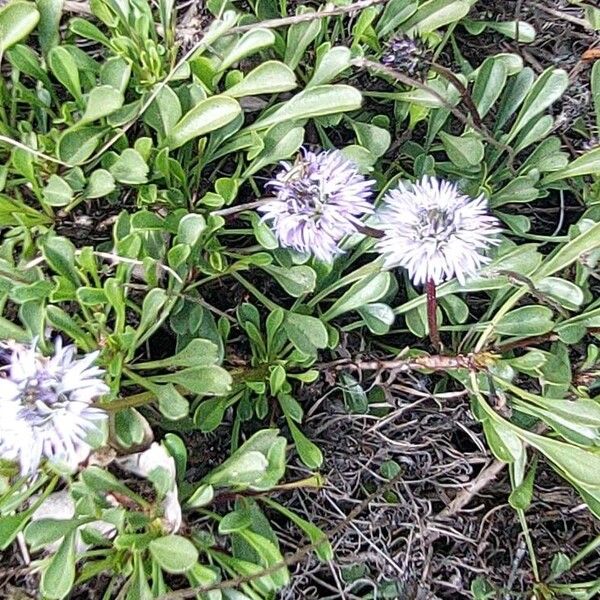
[434, 332]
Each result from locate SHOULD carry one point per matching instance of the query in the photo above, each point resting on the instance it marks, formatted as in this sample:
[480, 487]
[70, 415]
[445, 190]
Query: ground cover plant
[299, 299]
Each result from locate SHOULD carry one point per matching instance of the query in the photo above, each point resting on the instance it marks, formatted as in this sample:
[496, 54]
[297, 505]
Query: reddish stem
[434, 332]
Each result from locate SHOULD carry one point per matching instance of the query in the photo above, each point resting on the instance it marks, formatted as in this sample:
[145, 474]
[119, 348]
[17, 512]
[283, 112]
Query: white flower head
[144, 463]
[46, 406]
[158, 466]
[319, 200]
[435, 232]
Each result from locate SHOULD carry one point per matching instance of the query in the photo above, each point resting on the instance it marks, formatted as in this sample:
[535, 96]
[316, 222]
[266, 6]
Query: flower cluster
[404, 54]
[319, 200]
[435, 232]
[46, 408]
[429, 227]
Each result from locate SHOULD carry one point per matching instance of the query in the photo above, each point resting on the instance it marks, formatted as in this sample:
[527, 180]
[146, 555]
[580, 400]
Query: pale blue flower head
[435, 232]
[46, 406]
[319, 200]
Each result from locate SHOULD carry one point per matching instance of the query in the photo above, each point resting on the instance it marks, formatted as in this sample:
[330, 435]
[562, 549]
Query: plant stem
[232, 210]
[434, 332]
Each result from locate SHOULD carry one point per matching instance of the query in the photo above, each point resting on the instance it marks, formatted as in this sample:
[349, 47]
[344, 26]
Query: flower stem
[370, 231]
[232, 210]
[434, 332]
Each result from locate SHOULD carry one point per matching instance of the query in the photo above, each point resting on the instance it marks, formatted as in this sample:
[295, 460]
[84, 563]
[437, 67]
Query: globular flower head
[319, 199]
[404, 54]
[45, 403]
[435, 232]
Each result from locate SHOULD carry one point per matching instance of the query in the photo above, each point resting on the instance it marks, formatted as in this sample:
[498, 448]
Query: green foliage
[203, 323]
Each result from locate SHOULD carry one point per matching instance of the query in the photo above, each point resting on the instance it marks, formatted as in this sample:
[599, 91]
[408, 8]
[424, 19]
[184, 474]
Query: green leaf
[209, 414]
[586, 164]
[101, 183]
[316, 536]
[330, 65]
[491, 78]
[77, 145]
[456, 309]
[130, 168]
[86, 29]
[26, 60]
[190, 229]
[62, 321]
[584, 243]
[520, 189]
[375, 139]
[526, 321]
[526, 32]
[59, 575]
[211, 380]
[549, 86]
[10, 527]
[310, 454]
[115, 72]
[59, 253]
[595, 82]
[579, 465]
[560, 564]
[269, 78]
[17, 21]
[425, 98]
[91, 296]
[42, 532]
[521, 496]
[277, 379]
[198, 352]
[57, 191]
[174, 553]
[235, 521]
[208, 115]
[138, 588]
[259, 463]
[171, 403]
[164, 112]
[242, 468]
[252, 41]
[153, 302]
[305, 332]
[394, 13]
[279, 142]
[178, 451]
[533, 132]
[131, 428]
[570, 296]
[64, 68]
[9, 330]
[378, 317]
[313, 102]
[202, 496]
[504, 443]
[296, 281]
[434, 14]
[101, 101]
[269, 553]
[365, 291]
[464, 151]
[355, 396]
[299, 37]
[514, 93]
